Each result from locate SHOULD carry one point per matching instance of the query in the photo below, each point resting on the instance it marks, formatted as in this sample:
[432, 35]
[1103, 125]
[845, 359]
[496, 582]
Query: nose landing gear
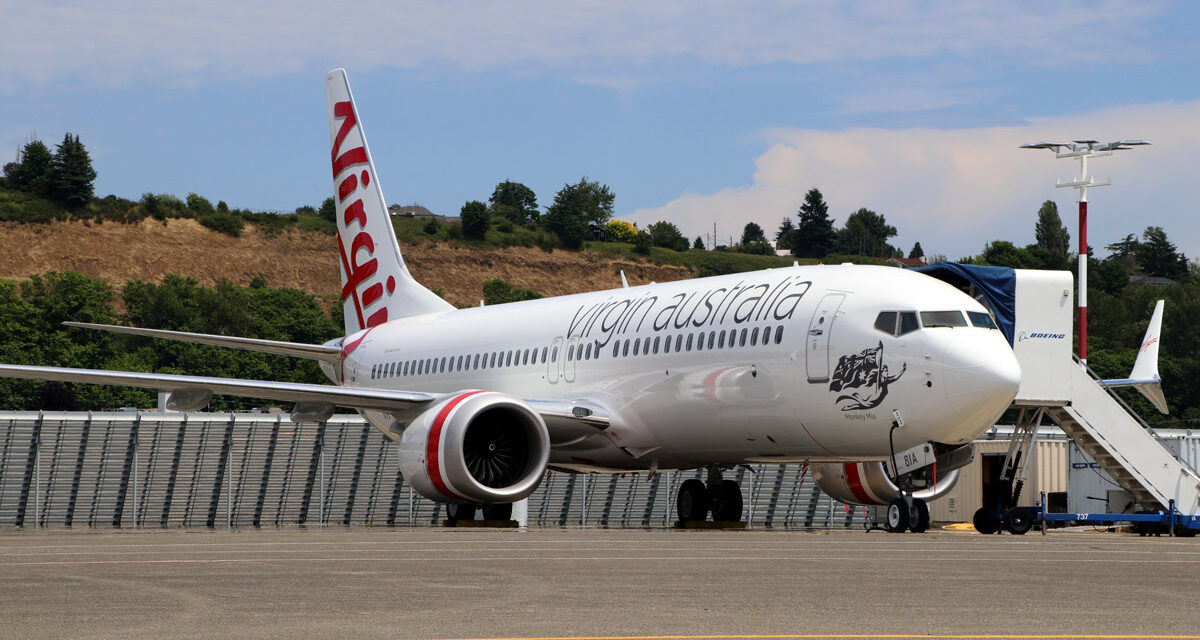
[907, 514]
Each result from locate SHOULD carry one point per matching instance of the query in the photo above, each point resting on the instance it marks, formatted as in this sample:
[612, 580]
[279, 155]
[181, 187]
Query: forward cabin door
[820, 330]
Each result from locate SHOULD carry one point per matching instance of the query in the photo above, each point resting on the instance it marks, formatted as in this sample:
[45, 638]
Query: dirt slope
[303, 260]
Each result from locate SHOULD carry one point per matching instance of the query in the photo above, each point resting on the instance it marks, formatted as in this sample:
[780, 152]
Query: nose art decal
[866, 372]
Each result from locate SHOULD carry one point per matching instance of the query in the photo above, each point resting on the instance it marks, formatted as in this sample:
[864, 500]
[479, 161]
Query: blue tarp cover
[998, 285]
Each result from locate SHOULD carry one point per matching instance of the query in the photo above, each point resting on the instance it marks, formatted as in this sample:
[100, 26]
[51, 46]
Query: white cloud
[954, 190]
[123, 41]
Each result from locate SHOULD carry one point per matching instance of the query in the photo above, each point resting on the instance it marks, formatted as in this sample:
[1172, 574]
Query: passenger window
[373, 371]
[656, 338]
[712, 339]
[886, 322]
[908, 322]
[678, 342]
[779, 334]
[667, 344]
[442, 368]
[405, 371]
[509, 360]
[636, 343]
[544, 350]
[942, 319]
[766, 336]
[625, 349]
[616, 348]
[754, 337]
[732, 338]
[554, 355]
[742, 342]
[720, 339]
[689, 342]
[982, 319]
[699, 342]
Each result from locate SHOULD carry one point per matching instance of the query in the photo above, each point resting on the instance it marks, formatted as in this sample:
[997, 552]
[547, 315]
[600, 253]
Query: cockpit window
[943, 319]
[897, 323]
[982, 319]
[886, 322]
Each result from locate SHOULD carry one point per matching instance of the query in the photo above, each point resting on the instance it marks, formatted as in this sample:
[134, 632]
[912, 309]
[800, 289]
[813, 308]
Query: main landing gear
[907, 514]
[696, 499]
[456, 512]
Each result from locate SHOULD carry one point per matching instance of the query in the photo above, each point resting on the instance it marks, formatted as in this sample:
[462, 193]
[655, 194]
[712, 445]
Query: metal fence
[144, 469]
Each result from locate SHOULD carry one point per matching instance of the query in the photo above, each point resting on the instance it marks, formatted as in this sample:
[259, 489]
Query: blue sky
[693, 112]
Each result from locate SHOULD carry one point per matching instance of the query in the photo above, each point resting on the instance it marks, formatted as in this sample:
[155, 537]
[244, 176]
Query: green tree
[1002, 253]
[865, 233]
[306, 210]
[698, 243]
[575, 205]
[917, 251]
[73, 174]
[514, 201]
[497, 291]
[783, 237]
[328, 210]
[198, 205]
[474, 215]
[665, 234]
[814, 233]
[1158, 257]
[35, 170]
[1049, 230]
[753, 233]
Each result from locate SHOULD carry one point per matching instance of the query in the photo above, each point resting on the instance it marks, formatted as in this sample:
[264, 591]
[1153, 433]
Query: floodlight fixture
[1084, 149]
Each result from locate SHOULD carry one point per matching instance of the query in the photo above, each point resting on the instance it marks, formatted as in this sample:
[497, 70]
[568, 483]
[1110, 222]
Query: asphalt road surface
[433, 583]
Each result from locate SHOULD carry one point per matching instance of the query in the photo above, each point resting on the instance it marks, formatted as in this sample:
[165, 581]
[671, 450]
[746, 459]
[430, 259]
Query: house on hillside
[903, 263]
[414, 211]
[1157, 281]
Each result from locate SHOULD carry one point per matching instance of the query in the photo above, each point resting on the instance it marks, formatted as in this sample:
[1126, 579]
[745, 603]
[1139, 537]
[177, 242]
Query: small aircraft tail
[1144, 376]
[376, 285]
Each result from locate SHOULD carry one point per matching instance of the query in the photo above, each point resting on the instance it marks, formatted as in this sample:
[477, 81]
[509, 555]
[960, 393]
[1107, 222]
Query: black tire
[501, 511]
[456, 511]
[984, 522]
[692, 502]
[897, 516]
[727, 507]
[1018, 521]
[920, 523]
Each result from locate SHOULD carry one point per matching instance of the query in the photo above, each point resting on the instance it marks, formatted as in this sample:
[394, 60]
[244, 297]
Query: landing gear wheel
[1018, 521]
[727, 505]
[919, 518]
[897, 516]
[692, 502]
[497, 511]
[456, 511]
[984, 522]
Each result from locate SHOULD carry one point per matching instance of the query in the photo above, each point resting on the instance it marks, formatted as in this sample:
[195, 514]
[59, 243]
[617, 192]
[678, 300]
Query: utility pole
[1084, 149]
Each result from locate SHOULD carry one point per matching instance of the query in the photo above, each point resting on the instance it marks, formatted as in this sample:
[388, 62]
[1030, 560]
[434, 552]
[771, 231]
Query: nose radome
[981, 381]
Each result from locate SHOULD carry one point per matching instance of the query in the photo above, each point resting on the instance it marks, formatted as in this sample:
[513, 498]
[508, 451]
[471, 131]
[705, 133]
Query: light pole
[1084, 149]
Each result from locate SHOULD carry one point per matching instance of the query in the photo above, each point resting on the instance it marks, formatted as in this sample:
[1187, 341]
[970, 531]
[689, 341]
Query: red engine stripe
[432, 445]
[855, 483]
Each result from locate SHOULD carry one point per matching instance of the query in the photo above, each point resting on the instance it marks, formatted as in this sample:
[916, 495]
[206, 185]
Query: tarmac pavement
[472, 583]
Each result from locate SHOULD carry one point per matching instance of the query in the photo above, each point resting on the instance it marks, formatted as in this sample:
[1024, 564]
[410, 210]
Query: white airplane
[803, 364]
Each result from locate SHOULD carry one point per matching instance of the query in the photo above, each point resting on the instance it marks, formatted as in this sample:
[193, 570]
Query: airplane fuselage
[770, 366]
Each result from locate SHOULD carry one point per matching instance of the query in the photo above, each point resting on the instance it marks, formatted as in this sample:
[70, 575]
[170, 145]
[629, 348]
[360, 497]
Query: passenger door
[820, 330]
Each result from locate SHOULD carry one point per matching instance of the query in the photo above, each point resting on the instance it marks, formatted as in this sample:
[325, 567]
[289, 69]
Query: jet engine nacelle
[867, 483]
[475, 447]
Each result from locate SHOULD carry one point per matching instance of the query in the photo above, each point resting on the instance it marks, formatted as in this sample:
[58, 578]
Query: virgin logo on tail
[359, 275]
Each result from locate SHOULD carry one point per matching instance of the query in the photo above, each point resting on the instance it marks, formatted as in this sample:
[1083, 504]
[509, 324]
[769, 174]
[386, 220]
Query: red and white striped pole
[1084, 149]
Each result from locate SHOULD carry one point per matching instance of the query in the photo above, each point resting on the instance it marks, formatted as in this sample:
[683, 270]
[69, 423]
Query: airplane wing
[325, 352]
[566, 421]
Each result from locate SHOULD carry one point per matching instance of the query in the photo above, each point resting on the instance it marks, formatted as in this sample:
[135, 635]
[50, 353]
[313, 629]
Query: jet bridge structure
[1034, 309]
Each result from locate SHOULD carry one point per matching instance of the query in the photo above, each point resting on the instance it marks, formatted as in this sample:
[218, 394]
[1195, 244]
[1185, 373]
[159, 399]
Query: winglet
[1145, 377]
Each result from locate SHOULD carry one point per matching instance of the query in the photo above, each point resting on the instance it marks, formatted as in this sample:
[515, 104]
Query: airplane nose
[981, 380]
